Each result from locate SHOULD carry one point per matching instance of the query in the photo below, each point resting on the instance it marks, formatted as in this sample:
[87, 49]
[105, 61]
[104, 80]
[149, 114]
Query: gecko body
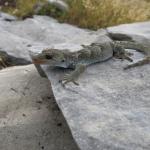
[99, 51]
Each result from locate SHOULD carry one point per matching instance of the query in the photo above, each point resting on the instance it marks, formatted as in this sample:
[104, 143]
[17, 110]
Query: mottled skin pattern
[96, 52]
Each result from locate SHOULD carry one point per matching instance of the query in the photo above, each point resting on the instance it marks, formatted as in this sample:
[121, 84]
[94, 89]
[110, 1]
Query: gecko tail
[120, 37]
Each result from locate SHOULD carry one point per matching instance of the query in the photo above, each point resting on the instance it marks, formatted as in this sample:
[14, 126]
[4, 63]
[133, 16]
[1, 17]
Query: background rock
[7, 17]
[60, 4]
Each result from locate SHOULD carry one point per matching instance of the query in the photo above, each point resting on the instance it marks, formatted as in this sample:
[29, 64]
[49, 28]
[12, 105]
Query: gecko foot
[66, 79]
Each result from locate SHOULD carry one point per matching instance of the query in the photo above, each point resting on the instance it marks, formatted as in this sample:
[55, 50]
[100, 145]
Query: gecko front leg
[2, 63]
[73, 76]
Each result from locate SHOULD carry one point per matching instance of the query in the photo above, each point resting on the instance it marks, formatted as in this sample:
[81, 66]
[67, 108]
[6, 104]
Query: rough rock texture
[134, 28]
[111, 107]
[29, 116]
[7, 17]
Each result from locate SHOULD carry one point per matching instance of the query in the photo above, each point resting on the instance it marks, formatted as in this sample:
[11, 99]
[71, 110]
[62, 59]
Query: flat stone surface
[110, 110]
[111, 107]
[29, 116]
[134, 28]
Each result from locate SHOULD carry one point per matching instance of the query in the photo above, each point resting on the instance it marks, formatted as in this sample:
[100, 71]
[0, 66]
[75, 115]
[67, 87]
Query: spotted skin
[93, 53]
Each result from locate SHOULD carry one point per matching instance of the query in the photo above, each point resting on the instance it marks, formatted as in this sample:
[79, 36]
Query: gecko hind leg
[126, 56]
[121, 53]
[139, 63]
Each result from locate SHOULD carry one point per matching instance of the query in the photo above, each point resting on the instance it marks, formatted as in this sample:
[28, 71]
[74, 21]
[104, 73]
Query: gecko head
[52, 57]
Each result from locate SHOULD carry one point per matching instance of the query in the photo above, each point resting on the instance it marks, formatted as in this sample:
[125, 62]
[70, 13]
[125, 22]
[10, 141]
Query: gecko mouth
[35, 61]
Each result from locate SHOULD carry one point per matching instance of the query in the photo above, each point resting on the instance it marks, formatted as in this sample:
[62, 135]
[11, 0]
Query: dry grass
[102, 13]
[91, 14]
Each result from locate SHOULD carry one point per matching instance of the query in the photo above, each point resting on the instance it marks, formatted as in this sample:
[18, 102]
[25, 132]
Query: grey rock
[10, 60]
[7, 17]
[60, 4]
[111, 107]
[134, 28]
[29, 117]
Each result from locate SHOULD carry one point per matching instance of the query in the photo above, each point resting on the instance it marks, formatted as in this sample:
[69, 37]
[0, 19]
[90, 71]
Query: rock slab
[111, 107]
[29, 116]
[110, 110]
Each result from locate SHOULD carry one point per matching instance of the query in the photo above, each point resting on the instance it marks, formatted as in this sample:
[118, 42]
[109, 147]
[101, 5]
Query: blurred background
[92, 14]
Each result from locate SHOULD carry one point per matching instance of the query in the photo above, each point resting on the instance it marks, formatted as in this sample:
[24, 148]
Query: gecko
[99, 51]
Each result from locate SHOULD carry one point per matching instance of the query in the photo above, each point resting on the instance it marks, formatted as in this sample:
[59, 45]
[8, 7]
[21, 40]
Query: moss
[50, 10]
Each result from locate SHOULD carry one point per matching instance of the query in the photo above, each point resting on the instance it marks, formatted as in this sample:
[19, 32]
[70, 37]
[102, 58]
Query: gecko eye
[63, 60]
[48, 56]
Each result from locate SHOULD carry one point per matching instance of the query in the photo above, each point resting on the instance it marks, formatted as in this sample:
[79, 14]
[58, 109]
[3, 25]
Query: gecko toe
[126, 67]
[76, 83]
